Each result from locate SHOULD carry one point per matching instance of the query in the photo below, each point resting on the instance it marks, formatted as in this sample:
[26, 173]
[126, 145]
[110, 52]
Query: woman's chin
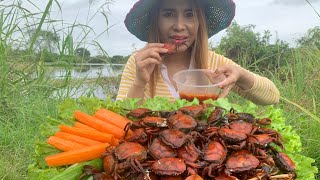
[182, 49]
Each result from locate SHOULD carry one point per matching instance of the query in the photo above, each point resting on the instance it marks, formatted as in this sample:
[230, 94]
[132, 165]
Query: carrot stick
[83, 126]
[115, 142]
[75, 156]
[63, 144]
[95, 135]
[99, 124]
[112, 118]
[77, 139]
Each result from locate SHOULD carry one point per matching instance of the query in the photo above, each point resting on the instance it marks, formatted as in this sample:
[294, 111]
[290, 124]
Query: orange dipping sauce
[200, 97]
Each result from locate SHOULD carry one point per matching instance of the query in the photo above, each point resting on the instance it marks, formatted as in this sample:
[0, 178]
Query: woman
[188, 24]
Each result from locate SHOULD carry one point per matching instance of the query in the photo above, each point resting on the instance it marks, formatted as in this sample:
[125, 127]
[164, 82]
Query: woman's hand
[235, 75]
[146, 60]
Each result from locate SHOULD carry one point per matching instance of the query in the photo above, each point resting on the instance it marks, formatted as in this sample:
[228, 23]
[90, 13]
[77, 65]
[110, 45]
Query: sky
[287, 20]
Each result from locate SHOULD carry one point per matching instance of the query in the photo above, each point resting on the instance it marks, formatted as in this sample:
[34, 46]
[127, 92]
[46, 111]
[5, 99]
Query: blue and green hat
[219, 14]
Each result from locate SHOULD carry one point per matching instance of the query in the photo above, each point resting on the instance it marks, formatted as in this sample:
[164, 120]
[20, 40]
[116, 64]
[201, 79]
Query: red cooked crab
[172, 48]
[169, 166]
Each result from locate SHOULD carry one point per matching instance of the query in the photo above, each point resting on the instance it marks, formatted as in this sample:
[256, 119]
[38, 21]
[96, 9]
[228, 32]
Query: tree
[98, 59]
[118, 59]
[239, 42]
[251, 49]
[82, 52]
[311, 38]
[45, 40]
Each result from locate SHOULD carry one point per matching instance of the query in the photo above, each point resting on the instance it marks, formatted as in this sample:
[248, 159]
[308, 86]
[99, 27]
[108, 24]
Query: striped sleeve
[262, 92]
[127, 78]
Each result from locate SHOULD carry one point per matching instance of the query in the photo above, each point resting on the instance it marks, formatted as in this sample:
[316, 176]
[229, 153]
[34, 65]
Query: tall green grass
[298, 81]
[26, 93]
[301, 86]
[20, 120]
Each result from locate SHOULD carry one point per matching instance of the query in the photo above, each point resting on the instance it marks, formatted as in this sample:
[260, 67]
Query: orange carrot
[112, 118]
[63, 144]
[83, 126]
[78, 155]
[95, 135]
[77, 139]
[115, 142]
[99, 124]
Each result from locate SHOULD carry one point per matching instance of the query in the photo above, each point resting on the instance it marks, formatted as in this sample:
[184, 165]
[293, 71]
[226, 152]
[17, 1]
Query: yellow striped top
[262, 92]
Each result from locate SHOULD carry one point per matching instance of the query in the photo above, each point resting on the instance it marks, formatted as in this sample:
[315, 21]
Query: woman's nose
[179, 23]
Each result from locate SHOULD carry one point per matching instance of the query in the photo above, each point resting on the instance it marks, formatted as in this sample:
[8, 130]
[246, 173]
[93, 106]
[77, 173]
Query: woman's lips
[179, 40]
[179, 37]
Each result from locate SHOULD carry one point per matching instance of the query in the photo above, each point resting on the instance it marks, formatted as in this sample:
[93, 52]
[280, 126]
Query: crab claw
[172, 48]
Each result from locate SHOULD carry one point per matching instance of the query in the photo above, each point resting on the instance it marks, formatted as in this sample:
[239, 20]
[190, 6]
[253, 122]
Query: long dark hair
[199, 52]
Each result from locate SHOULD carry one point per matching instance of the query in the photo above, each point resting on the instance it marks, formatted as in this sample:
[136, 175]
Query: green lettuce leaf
[39, 170]
[163, 103]
[71, 172]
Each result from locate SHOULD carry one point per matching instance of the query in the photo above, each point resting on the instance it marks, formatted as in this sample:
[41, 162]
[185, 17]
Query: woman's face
[177, 23]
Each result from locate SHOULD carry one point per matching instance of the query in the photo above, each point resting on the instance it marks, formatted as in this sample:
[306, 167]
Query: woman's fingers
[230, 80]
[155, 47]
[159, 50]
[225, 91]
[153, 52]
[149, 45]
[148, 61]
[231, 73]
[220, 70]
[155, 55]
[214, 77]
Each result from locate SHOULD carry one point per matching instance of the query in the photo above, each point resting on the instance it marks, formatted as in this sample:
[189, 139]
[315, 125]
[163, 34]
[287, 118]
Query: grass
[20, 119]
[25, 91]
[24, 102]
[299, 84]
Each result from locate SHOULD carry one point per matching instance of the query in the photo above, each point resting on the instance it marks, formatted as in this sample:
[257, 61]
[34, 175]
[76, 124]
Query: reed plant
[299, 84]
[27, 94]
[298, 81]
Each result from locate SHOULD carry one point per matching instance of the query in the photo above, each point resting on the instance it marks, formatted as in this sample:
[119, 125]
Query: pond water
[87, 72]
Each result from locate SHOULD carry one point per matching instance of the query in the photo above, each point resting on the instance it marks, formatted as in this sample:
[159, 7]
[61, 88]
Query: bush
[47, 56]
[97, 59]
[252, 50]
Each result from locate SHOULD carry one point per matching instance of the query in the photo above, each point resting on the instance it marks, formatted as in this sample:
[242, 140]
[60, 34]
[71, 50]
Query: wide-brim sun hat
[218, 13]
